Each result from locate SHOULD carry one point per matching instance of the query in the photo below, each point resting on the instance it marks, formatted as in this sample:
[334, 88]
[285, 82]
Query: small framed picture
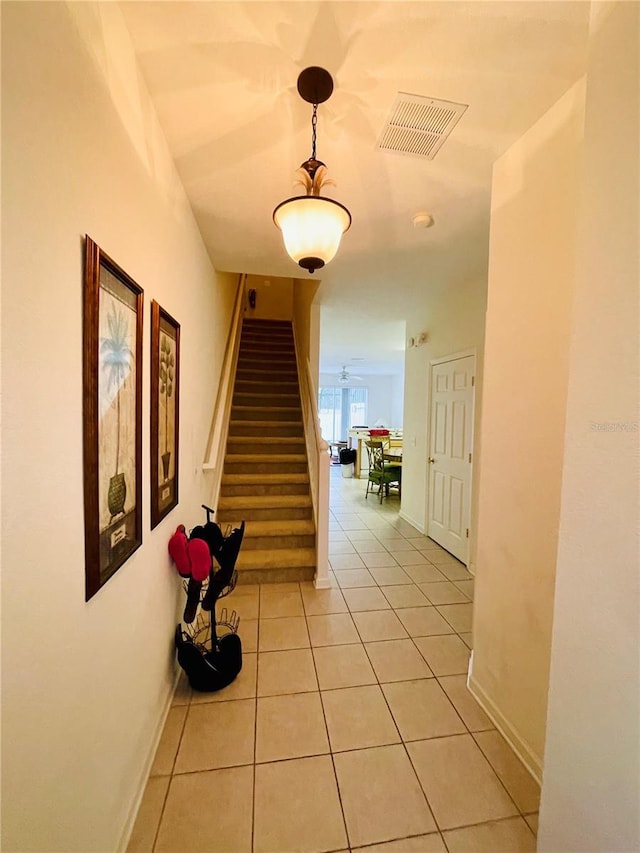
[165, 408]
[112, 416]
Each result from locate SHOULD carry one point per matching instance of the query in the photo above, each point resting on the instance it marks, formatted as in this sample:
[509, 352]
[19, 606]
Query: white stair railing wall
[319, 461]
[217, 441]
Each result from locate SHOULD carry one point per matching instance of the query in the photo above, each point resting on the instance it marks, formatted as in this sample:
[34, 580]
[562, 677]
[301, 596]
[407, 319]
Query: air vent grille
[419, 125]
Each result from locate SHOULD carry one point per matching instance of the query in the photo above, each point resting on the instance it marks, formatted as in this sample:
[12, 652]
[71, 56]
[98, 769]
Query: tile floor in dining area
[350, 725]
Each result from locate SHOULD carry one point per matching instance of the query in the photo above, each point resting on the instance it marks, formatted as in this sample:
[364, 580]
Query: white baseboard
[125, 835]
[418, 525]
[521, 748]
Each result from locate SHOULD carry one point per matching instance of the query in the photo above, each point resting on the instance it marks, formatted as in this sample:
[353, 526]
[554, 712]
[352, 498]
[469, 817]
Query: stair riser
[269, 347]
[267, 327]
[266, 576]
[242, 413]
[281, 330]
[244, 504]
[267, 335]
[266, 400]
[258, 489]
[265, 467]
[251, 543]
[280, 346]
[286, 362]
[267, 389]
[236, 515]
[265, 377]
[269, 358]
[248, 445]
[282, 430]
[247, 386]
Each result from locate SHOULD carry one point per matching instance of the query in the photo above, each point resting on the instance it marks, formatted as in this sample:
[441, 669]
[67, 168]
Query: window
[340, 409]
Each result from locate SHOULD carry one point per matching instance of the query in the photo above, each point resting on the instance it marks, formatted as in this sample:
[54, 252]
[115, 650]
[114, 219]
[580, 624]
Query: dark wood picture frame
[165, 412]
[112, 416]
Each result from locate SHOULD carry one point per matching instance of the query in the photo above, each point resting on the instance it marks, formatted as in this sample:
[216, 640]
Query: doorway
[450, 453]
[339, 409]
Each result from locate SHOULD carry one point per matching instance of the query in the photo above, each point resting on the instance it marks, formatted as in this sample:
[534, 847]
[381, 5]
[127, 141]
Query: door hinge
[473, 381]
[470, 457]
[467, 532]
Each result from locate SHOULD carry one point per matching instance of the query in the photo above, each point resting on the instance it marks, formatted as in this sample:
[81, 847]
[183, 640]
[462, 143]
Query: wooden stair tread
[275, 558]
[265, 457]
[263, 501]
[267, 439]
[290, 383]
[269, 347]
[267, 408]
[294, 527]
[288, 374]
[263, 479]
[246, 396]
[263, 424]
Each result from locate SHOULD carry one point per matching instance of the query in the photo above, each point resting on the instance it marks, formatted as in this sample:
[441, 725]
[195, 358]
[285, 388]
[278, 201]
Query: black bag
[347, 457]
[210, 671]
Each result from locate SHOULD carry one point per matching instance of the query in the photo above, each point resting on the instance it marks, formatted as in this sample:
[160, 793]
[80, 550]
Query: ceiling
[223, 78]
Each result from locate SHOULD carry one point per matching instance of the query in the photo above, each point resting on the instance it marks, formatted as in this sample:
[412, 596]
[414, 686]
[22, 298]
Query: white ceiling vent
[419, 125]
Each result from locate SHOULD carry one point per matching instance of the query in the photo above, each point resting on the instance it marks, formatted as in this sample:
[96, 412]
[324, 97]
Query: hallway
[350, 724]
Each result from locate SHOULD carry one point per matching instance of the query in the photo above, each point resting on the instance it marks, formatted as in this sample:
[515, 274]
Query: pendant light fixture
[311, 224]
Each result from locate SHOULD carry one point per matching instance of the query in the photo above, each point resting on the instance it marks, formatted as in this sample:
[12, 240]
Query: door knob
[430, 460]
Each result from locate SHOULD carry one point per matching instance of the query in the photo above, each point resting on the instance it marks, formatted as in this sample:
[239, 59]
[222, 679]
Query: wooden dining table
[357, 439]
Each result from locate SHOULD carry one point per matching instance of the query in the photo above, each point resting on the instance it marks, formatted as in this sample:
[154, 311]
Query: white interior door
[451, 434]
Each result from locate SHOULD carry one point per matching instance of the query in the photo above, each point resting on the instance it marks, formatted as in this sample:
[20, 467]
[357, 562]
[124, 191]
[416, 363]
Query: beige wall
[307, 337]
[591, 782]
[531, 278]
[85, 685]
[454, 322]
[274, 298]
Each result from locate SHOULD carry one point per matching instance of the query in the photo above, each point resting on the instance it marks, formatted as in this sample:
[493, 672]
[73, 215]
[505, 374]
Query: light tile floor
[350, 726]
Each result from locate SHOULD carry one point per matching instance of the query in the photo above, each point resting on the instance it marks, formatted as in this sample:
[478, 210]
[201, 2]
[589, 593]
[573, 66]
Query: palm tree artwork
[116, 360]
[166, 380]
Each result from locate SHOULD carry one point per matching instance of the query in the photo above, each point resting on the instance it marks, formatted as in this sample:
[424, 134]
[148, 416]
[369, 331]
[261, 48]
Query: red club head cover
[200, 559]
[179, 552]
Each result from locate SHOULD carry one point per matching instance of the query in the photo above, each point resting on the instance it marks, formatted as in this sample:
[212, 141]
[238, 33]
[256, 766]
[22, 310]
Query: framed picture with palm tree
[165, 398]
[112, 415]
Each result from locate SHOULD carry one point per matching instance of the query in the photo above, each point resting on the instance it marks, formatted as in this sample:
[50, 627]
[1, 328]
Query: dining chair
[382, 473]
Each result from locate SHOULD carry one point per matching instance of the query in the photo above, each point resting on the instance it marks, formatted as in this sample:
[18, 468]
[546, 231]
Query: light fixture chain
[314, 123]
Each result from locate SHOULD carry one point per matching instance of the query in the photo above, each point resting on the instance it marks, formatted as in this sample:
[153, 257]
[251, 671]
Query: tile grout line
[489, 762]
[520, 813]
[255, 724]
[402, 740]
[326, 727]
[172, 772]
[456, 633]
[379, 684]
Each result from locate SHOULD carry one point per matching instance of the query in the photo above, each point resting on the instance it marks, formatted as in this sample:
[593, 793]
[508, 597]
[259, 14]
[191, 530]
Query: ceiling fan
[345, 376]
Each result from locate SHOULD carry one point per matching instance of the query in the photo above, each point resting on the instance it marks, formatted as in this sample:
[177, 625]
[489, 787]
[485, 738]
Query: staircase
[265, 479]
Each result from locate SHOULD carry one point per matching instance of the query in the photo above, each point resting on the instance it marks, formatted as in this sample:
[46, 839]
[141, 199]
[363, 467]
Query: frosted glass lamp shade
[312, 227]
